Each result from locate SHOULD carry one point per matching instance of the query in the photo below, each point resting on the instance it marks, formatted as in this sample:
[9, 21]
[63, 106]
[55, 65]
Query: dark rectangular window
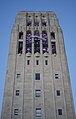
[28, 62]
[58, 92]
[59, 111]
[37, 62]
[53, 46]
[56, 76]
[37, 93]
[16, 111]
[46, 62]
[20, 47]
[18, 75]
[17, 92]
[21, 35]
[52, 35]
[38, 112]
[37, 76]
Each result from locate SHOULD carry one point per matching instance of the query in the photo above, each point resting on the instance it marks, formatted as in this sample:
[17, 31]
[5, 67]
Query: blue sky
[66, 13]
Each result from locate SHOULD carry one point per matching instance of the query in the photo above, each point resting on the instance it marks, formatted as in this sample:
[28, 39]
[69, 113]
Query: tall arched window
[44, 41]
[36, 42]
[28, 41]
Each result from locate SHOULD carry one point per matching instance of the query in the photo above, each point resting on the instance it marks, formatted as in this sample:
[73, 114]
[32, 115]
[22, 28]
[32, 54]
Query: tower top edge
[43, 12]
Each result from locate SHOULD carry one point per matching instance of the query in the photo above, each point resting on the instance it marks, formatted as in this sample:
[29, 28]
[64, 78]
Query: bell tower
[37, 82]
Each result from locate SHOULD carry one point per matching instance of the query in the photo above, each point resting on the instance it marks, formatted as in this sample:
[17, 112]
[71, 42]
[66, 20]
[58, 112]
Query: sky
[66, 14]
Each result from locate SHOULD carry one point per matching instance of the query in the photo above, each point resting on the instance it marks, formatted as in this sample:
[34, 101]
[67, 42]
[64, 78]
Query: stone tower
[37, 82]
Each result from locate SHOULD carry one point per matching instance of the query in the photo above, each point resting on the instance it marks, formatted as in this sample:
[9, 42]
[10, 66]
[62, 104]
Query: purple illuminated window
[36, 42]
[53, 46]
[28, 42]
[44, 41]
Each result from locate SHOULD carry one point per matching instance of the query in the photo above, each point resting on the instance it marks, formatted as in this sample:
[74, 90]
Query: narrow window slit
[53, 46]
[20, 47]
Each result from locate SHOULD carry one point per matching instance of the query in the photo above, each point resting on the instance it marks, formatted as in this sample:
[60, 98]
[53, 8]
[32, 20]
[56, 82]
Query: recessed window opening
[52, 35]
[44, 41]
[20, 47]
[59, 111]
[18, 75]
[37, 76]
[37, 93]
[56, 76]
[36, 45]
[37, 62]
[58, 92]
[46, 62]
[16, 111]
[21, 35]
[28, 42]
[38, 112]
[17, 92]
[53, 46]
[36, 42]
[28, 62]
